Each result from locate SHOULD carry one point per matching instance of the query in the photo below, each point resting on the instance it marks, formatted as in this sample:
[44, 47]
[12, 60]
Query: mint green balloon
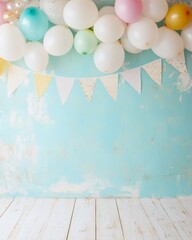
[33, 23]
[85, 42]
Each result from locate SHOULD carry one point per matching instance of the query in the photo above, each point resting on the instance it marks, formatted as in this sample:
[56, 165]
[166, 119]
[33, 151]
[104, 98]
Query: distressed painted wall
[139, 145]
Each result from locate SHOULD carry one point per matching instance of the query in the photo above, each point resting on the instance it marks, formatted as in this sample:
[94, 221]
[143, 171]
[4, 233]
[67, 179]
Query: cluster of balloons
[107, 33]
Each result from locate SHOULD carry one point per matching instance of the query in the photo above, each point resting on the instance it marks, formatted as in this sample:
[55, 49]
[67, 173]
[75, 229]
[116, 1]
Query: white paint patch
[171, 75]
[184, 82]
[37, 109]
[93, 186]
[16, 165]
[15, 119]
[131, 191]
[3, 190]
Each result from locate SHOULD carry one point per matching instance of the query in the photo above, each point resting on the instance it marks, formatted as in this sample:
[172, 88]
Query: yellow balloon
[178, 16]
[3, 66]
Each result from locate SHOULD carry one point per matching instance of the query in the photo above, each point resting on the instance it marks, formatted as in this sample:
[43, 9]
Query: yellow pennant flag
[42, 82]
[3, 66]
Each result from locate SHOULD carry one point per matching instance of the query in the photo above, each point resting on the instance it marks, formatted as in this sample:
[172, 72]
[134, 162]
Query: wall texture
[138, 145]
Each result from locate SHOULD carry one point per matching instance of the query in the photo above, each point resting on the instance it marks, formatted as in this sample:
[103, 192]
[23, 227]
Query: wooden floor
[96, 219]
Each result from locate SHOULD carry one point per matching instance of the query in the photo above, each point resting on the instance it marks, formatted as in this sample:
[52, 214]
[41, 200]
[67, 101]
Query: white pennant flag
[154, 70]
[178, 63]
[16, 75]
[133, 77]
[111, 84]
[64, 86]
[88, 85]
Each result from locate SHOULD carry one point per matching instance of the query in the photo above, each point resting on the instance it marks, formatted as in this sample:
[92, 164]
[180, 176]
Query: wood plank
[108, 224]
[83, 220]
[159, 219]
[35, 223]
[29, 202]
[4, 204]
[179, 217]
[135, 223]
[11, 217]
[58, 225]
[187, 204]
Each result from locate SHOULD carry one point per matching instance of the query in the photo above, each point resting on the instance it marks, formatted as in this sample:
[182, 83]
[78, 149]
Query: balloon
[129, 11]
[186, 35]
[12, 45]
[54, 10]
[2, 11]
[156, 10]
[58, 40]
[128, 46]
[33, 23]
[143, 34]
[80, 14]
[109, 28]
[35, 57]
[3, 66]
[106, 11]
[169, 44]
[178, 16]
[85, 42]
[109, 57]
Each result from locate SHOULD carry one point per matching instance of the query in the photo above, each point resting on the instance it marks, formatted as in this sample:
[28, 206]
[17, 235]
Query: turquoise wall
[138, 145]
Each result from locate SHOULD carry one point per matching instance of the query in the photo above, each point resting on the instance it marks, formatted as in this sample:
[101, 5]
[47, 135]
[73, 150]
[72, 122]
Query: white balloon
[54, 10]
[128, 46]
[109, 28]
[80, 14]
[186, 35]
[106, 11]
[155, 9]
[58, 40]
[143, 34]
[12, 42]
[169, 44]
[109, 57]
[35, 57]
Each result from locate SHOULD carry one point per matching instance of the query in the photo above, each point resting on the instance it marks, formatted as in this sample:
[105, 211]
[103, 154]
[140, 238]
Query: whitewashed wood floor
[96, 219]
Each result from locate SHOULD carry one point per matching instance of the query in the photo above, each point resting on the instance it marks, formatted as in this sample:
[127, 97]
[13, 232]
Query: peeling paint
[93, 186]
[131, 191]
[184, 82]
[37, 109]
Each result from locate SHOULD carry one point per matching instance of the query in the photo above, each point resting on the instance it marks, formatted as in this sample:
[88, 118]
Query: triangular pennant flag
[88, 85]
[3, 68]
[154, 70]
[111, 84]
[133, 77]
[16, 75]
[64, 86]
[42, 82]
[178, 63]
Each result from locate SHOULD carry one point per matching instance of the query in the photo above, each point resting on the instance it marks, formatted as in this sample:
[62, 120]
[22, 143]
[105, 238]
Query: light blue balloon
[33, 23]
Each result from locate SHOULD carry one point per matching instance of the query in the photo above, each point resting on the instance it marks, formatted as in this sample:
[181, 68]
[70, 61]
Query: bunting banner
[111, 84]
[154, 70]
[42, 82]
[16, 75]
[133, 77]
[178, 63]
[64, 87]
[88, 85]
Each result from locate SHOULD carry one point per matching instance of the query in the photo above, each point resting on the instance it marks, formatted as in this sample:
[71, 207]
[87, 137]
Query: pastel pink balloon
[129, 11]
[2, 11]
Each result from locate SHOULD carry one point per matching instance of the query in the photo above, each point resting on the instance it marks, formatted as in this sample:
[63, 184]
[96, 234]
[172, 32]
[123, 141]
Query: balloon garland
[128, 26]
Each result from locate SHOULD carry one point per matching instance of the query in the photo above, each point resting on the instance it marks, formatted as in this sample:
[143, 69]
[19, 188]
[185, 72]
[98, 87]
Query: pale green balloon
[85, 42]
